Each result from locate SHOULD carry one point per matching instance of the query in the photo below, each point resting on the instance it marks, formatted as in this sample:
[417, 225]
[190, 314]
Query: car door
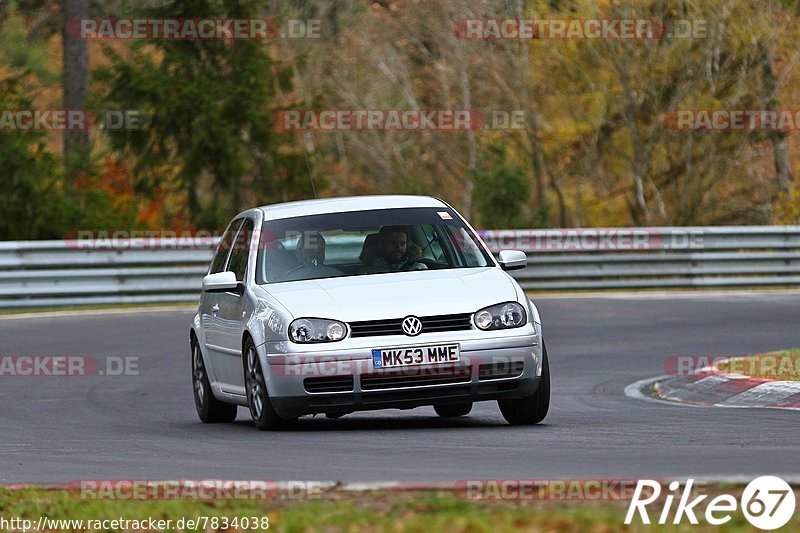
[209, 302]
[231, 312]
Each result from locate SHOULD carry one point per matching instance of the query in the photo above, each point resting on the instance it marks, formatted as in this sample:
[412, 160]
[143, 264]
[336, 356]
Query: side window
[224, 246]
[241, 250]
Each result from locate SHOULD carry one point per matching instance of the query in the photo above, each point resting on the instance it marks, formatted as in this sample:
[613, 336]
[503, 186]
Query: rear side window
[224, 246]
[241, 250]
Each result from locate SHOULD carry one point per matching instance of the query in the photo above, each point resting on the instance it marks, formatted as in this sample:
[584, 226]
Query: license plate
[415, 355]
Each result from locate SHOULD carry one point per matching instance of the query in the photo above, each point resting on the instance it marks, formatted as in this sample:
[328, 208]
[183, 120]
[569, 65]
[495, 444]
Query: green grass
[783, 365]
[417, 511]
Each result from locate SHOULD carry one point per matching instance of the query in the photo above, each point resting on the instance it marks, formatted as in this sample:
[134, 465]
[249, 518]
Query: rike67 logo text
[767, 502]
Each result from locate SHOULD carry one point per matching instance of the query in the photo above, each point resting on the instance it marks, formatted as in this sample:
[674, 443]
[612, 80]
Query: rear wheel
[453, 410]
[531, 409]
[261, 409]
[209, 409]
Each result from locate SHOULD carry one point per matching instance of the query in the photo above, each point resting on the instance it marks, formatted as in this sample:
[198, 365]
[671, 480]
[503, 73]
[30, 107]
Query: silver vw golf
[346, 304]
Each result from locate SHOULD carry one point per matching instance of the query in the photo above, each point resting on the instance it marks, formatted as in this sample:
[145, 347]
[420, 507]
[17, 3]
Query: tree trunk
[783, 170]
[76, 87]
[537, 161]
[472, 163]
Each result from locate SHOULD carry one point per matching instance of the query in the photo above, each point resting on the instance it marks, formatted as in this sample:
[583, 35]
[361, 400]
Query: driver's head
[393, 243]
[311, 248]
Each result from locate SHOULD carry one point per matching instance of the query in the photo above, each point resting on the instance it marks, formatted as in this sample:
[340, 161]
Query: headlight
[311, 330]
[501, 316]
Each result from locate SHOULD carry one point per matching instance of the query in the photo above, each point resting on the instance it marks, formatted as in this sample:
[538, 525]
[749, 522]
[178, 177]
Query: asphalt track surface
[145, 426]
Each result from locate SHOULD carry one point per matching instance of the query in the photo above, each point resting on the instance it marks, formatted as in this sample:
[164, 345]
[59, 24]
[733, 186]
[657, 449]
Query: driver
[310, 253]
[397, 253]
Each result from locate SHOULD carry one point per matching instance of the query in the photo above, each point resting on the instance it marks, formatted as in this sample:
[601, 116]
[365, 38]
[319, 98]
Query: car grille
[415, 378]
[506, 369]
[389, 399]
[329, 384]
[393, 326]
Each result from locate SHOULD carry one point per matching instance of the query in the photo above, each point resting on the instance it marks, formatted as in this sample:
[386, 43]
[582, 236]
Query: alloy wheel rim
[199, 374]
[254, 381]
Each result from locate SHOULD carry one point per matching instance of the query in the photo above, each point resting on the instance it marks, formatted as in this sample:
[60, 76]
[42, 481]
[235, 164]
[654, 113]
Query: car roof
[345, 204]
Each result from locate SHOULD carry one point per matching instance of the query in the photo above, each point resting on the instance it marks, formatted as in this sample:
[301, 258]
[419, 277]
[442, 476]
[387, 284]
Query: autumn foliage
[595, 145]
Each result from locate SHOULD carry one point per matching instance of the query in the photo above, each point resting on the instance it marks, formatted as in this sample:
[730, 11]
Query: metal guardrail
[651, 258]
[122, 271]
[72, 273]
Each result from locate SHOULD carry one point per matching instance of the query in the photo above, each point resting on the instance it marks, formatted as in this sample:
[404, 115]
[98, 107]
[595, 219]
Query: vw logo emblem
[412, 326]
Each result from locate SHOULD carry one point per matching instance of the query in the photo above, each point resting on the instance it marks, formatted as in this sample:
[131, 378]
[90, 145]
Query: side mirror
[220, 282]
[512, 260]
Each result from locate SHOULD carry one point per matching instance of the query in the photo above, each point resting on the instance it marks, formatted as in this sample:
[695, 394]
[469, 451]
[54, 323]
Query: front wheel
[531, 409]
[209, 409]
[261, 409]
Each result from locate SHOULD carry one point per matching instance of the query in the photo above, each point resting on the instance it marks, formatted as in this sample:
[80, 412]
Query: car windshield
[364, 243]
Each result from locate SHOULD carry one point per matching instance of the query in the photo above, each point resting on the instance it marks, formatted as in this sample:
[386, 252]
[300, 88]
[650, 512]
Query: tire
[453, 410]
[531, 409]
[261, 409]
[209, 409]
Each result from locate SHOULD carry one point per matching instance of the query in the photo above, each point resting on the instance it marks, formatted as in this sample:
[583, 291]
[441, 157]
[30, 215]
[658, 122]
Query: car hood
[395, 295]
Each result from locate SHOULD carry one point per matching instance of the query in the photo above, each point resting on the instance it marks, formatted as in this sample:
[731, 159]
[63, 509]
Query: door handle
[215, 308]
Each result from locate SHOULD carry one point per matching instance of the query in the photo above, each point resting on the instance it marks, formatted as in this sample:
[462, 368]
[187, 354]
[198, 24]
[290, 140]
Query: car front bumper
[343, 381]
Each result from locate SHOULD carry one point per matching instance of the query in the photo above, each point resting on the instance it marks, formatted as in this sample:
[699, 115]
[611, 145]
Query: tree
[30, 199]
[502, 191]
[608, 131]
[209, 133]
